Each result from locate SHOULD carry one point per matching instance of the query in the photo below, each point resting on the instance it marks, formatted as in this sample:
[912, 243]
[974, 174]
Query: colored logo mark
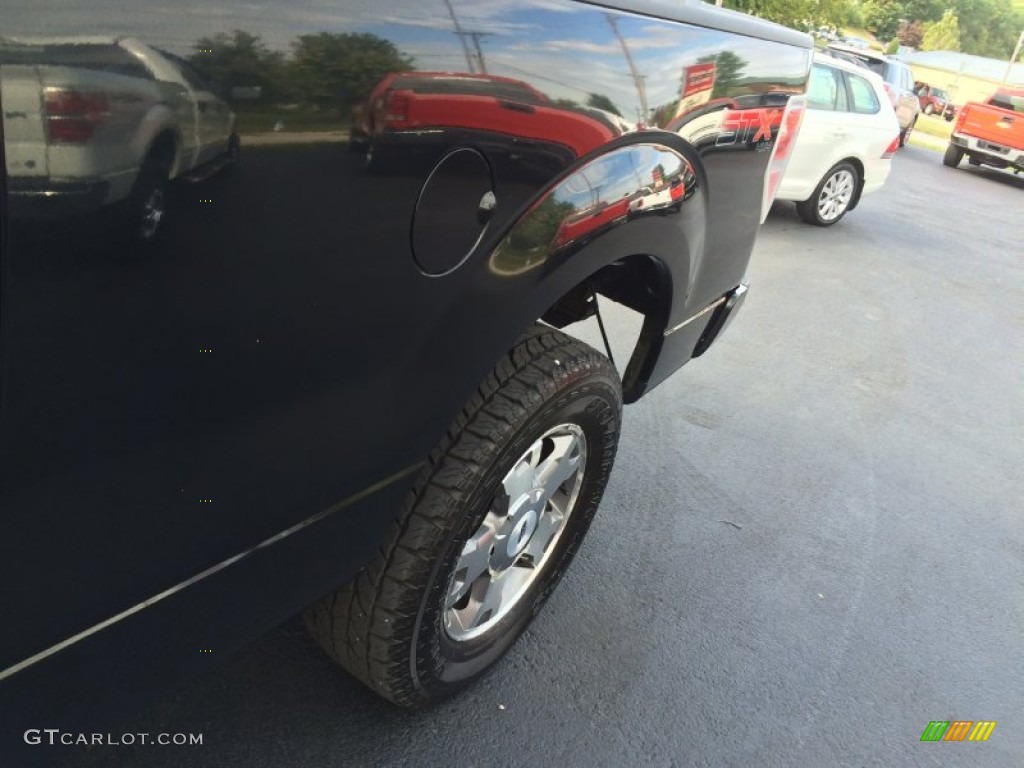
[958, 730]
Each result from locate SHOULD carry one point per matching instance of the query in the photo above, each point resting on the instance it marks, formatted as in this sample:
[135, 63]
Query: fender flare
[668, 240]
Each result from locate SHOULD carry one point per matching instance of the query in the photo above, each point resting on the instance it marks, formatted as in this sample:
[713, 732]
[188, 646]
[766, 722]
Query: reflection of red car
[590, 220]
[432, 110]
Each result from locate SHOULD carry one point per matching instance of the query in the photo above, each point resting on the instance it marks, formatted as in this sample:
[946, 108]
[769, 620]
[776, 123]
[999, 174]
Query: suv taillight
[784, 139]
[72, 116]
[890, 93]
[891, 150]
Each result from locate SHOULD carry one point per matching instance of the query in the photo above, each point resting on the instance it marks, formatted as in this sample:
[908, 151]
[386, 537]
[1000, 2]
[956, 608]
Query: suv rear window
[880, 68]
[897, 74]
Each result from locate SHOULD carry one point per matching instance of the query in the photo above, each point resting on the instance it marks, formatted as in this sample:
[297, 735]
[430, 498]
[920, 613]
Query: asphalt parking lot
[811, 546]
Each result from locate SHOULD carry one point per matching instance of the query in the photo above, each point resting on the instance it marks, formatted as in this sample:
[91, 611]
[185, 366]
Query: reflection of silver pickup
[95, 121]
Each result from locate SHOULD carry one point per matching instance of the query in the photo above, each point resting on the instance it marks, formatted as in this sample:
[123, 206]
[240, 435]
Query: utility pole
[479, 51]
[1016, 53]
[462, 36]
[638, 79]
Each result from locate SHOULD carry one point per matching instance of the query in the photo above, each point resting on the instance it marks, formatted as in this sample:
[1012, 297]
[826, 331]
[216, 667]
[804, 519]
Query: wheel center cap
[514, 536]
[521, 534]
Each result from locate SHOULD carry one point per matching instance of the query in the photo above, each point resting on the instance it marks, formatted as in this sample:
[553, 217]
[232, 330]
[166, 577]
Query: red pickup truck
[990, 133]
[422, 113]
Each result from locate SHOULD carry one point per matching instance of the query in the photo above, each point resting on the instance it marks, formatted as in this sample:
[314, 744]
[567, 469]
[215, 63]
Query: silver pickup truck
[93, 121]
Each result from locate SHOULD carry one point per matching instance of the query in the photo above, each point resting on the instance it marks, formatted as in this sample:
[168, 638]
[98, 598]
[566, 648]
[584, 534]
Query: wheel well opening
[860, 176]
[633, 296]
[165, 147]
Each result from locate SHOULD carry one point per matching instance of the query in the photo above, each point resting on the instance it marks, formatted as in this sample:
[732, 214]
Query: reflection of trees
[539, 226]
[600, 101]
[728, 68]
[325, 70]
[527, 244]
[240, 59]
[663, 114]
[342, 69]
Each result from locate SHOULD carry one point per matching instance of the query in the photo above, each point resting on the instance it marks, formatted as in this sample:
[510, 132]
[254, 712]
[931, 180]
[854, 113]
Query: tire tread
[368, 625]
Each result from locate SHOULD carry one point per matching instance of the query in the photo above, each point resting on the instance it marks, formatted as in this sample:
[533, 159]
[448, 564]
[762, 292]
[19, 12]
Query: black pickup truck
[337, 386]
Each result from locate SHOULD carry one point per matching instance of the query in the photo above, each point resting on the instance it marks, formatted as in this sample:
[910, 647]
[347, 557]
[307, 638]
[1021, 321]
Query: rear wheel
[905, 133]
[832, 197]
[953, 156]
[497, 515]
[375, 161]
[147, 202]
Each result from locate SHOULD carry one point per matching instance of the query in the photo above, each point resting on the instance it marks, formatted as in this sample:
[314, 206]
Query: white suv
[846, 142]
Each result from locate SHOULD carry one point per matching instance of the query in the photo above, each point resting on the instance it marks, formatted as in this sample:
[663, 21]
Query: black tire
[387, 627]
[905, 133]
[147, 202]
[357, 143]
[953, 156]
[810, 209]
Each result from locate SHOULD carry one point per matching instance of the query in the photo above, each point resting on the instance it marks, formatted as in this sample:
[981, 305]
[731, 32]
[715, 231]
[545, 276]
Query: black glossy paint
[296, 340]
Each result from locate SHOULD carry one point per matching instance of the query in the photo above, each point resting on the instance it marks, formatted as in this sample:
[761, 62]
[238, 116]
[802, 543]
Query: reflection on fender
[749, 126]
[627, 183]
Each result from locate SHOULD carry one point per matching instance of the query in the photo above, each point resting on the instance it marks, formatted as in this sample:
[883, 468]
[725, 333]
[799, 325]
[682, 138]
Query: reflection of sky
[564, 49]
[615, 176]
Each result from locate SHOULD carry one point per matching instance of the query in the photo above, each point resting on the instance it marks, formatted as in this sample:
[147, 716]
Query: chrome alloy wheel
[152, 214]
[504, 556]
[835, 195]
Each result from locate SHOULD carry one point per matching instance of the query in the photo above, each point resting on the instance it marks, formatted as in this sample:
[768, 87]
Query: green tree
[883, 17]
[800, 14]
[600, 101]
[239, 59]
[988, 27]
[340, 70]
[728, 68]
[942, 35]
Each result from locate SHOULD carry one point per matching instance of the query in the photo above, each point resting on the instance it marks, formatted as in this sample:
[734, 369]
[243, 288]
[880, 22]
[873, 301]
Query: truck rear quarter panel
[201, 437]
